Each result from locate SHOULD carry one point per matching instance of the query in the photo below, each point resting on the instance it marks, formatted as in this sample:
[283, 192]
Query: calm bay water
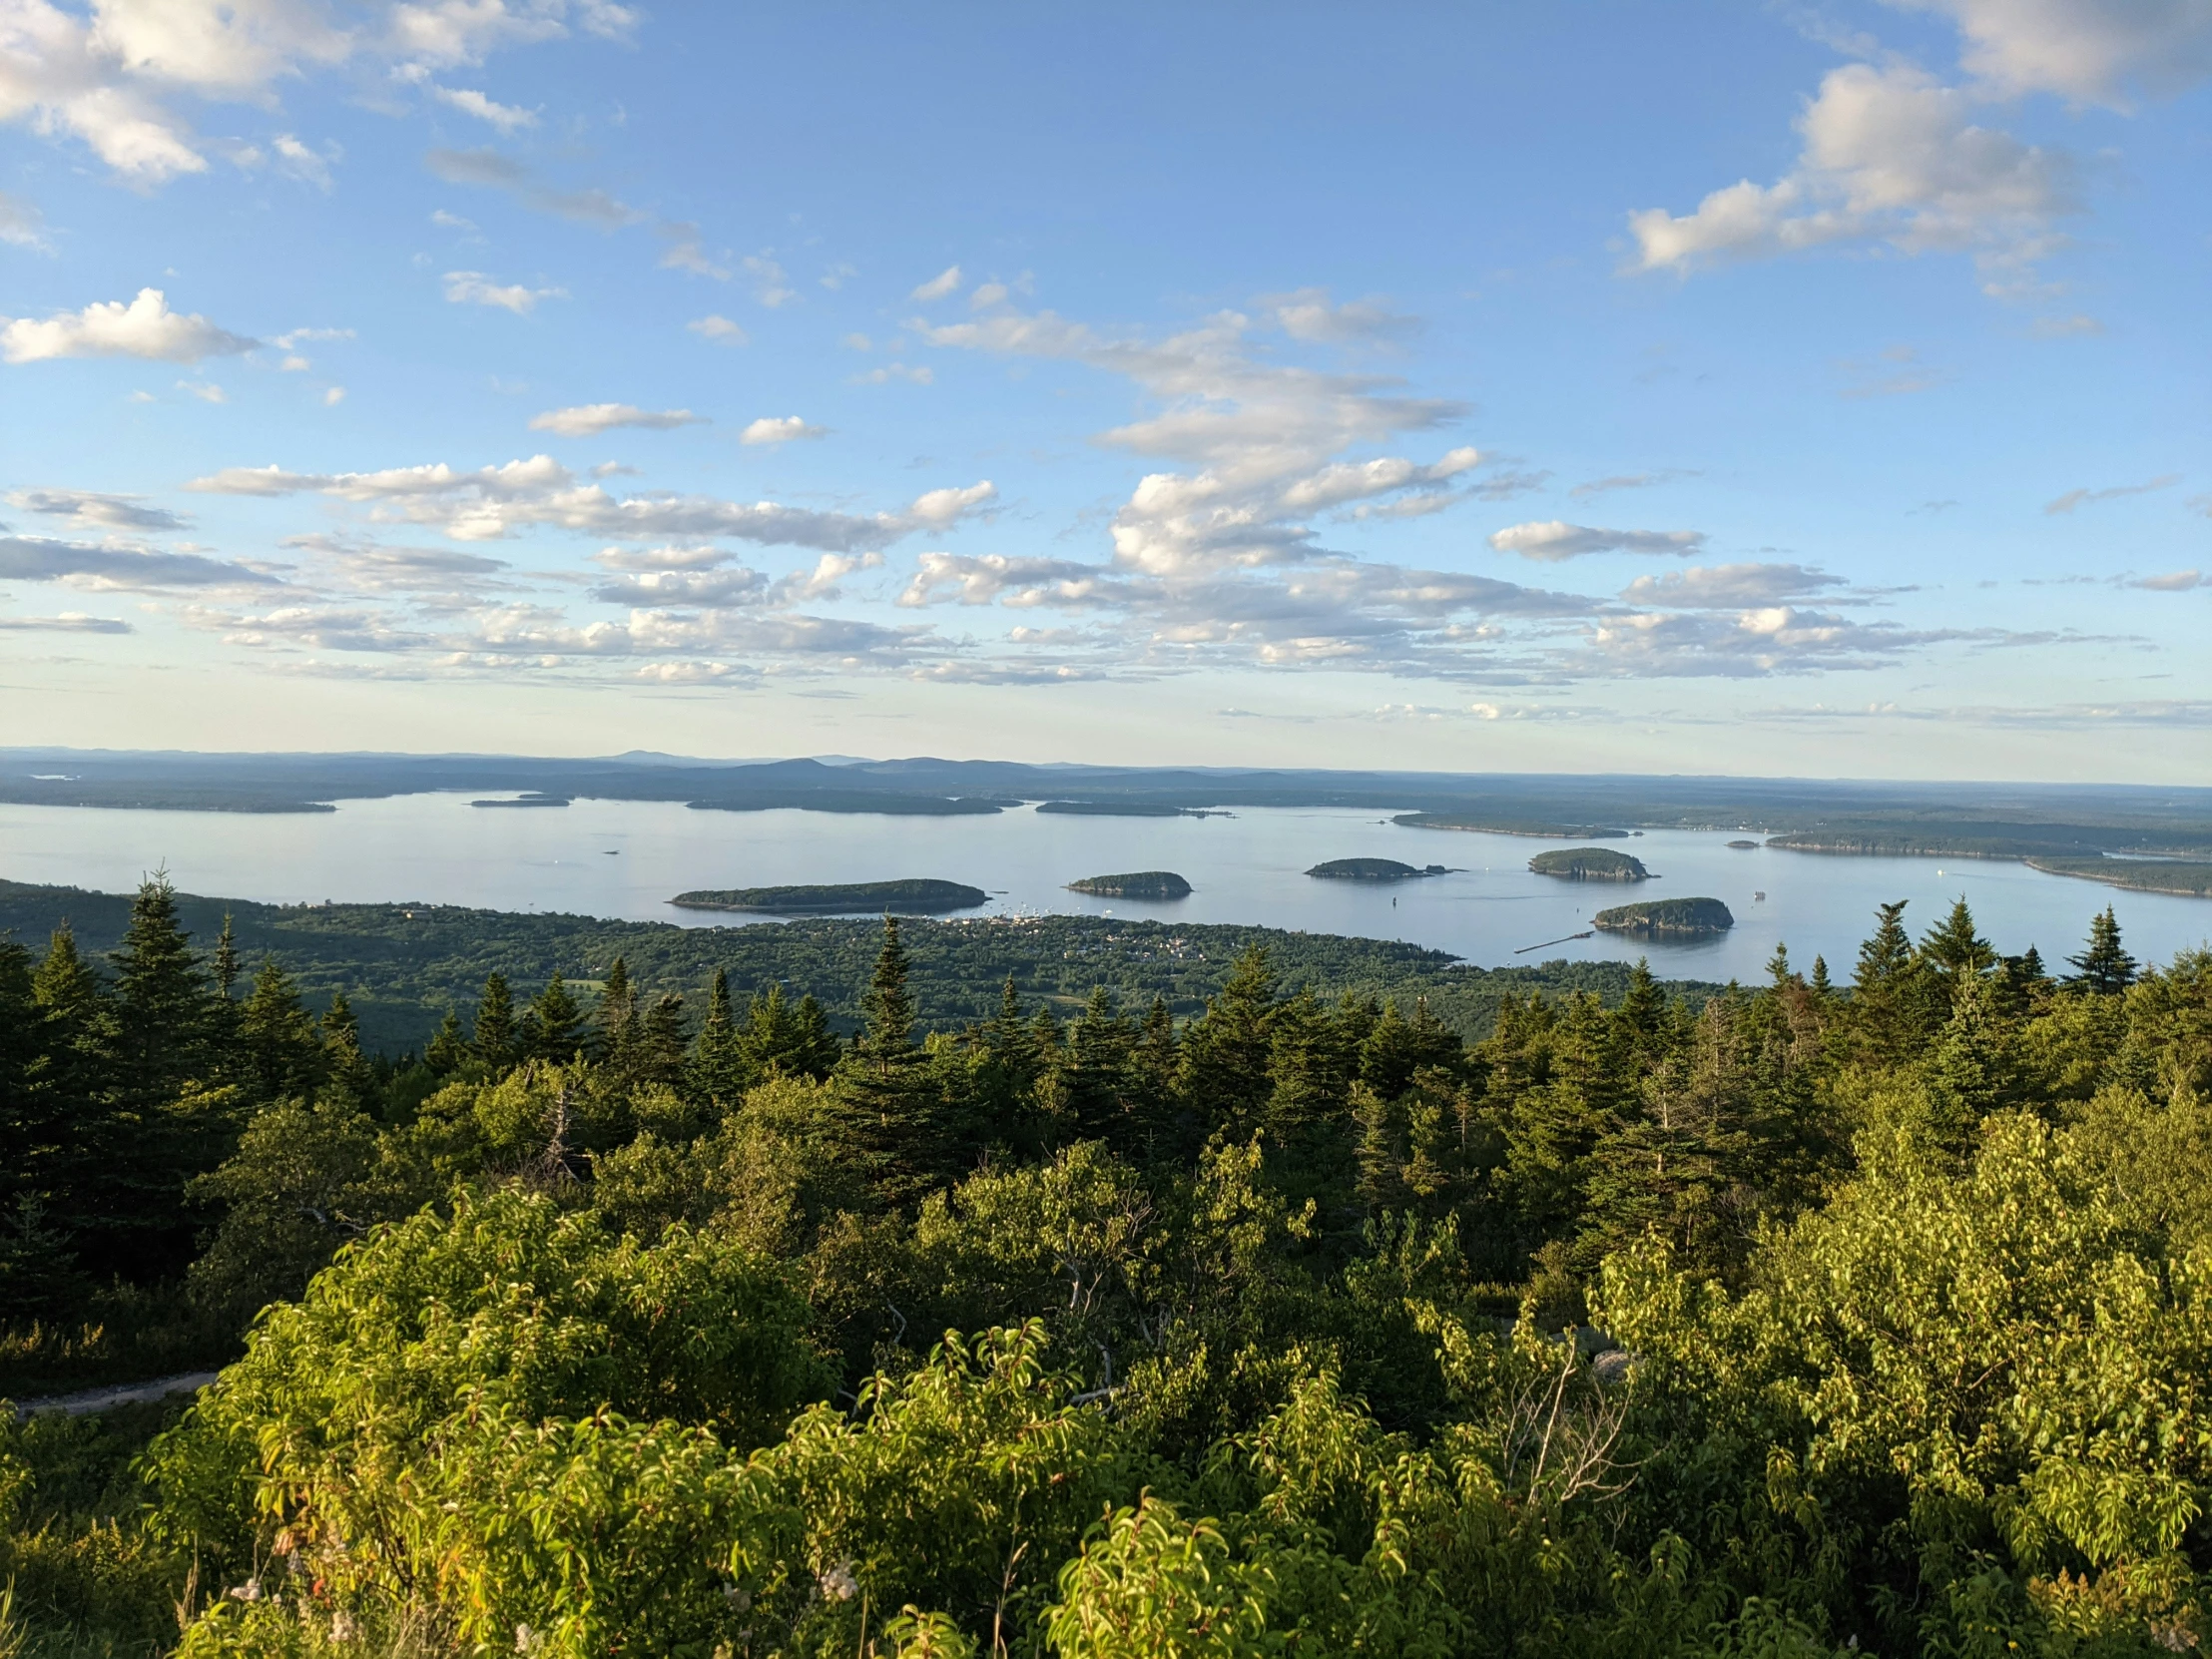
[626, 858]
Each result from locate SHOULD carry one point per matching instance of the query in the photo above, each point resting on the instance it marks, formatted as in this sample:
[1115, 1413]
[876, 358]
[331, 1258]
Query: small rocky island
[913, 896]
[1743, 846]
[1143, 884]
[1589, 863]
[1676, 918]
[1374, 870]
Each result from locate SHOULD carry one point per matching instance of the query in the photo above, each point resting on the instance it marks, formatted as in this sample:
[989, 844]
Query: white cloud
[2088, 51]
[452, 222]
[987, 294]
[91, 508]
[2173, 581]
[945, 281]
[117, 566]
[719, 330]
[921, 376]
[146, 328]
[333, 396]
[824, 581]
[585, 420]
[2087, 497]
[1626, 481]
[22, 225]
[68, 622]
[773, 429]
[687, 251]
[473, 288]
[770, 286]
[592, 207]
[1728, 587]
[1890, 154]
[1308, 315]
[506, 117]
[1553, 540]
[494, 502]
[206, 390]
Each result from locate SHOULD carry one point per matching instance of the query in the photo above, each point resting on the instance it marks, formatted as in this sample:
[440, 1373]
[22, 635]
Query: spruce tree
[493, 1036]
[890, 1114]
[2104, 969]
[720, 1071]
[161, 1001]
[1894, 1009]
[447, 1050]
[1224, 1082]
[1091, 1083]
[612, 1019]
[225, 964]
[1957, 950]
[555, 1023]
[886, 1009]
[281, 1054]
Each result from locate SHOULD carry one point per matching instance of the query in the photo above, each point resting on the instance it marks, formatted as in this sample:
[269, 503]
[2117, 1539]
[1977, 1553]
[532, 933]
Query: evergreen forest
[1865, 1311]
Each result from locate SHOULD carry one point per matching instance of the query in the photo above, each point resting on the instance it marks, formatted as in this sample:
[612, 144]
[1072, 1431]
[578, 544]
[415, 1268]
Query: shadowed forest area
[1860, 1312]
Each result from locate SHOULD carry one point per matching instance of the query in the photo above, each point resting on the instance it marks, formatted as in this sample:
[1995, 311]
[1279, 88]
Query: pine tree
[160, 1002]
[225, 961]
[2104, 969]
[283, 1058]
[1091, 1082]
[352, 1078]
[886, 1009]
[1893, 1007]
[554, 1023]
[1226, 1050]
[815, 1049]
[720, 1069]
[447, 1050]
[618, 1007]
[1819, 983]
[656, 1047]
[1956, 949]
[493, 1035]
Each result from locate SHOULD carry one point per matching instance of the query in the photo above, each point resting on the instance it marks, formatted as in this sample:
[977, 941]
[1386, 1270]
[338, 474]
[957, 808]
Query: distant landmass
[913, 896]
[1589, 863]
[1143, 884]
[2187, 878]
[1743, 846]
[1121, 808]
[1481, 825]
[526, 800]
[1373, 869]
[1688, 916]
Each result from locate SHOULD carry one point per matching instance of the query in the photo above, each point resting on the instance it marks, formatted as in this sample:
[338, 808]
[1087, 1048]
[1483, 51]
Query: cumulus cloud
[146, 328]
[473, 288]
[2087, 51]
[116, 566]
[687, 251]
[1553, 540]
[1762, 640]
[774, 429]
[2087, 497]
[586, 421]
[494, 502]
[108, 79]
[1890, 154]
[2173, 581]
[717, 329]
[1308, 315]
[95, 510]
[945, 283]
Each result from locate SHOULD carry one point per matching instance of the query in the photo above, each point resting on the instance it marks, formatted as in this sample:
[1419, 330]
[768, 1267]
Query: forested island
[910, 897]
[1684, 916]
[1121, 808]
[2189, 878]
[526, 800]
[1145, 883]
[1589, 863]
[1374, 870]
[1701, 1324]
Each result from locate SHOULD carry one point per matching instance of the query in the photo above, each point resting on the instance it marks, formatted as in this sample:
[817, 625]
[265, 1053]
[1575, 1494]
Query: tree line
[1801, 1317]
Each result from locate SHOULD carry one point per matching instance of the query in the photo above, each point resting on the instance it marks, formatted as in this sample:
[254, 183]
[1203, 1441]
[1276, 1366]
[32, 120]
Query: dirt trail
[122, 1393]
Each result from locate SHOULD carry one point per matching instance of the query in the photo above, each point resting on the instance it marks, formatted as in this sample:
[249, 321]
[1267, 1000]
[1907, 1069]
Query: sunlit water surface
[627, 859]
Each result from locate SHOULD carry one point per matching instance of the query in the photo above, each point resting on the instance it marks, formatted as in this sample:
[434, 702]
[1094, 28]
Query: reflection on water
[626, 858]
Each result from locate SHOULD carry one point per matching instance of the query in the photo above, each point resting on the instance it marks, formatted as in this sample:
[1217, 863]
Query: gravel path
[127, 1394]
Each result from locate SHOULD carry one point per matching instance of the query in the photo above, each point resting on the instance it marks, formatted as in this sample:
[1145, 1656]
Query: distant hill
[1667, 916]
[914, 896]
[1143, 884]
[1589, 863]
[1373, 869]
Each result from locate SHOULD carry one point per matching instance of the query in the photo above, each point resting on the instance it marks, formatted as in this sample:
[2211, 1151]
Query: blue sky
[1818, 390]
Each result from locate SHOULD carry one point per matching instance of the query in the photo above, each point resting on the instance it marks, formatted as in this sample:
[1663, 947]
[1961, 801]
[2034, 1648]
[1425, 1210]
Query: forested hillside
[1794, 1320]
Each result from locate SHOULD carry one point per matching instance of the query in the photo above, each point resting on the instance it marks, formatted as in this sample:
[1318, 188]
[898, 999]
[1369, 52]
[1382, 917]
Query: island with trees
[1685, 918]
[911, 896]
[1374, 870]
[1589, 863]
[1155, 884]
